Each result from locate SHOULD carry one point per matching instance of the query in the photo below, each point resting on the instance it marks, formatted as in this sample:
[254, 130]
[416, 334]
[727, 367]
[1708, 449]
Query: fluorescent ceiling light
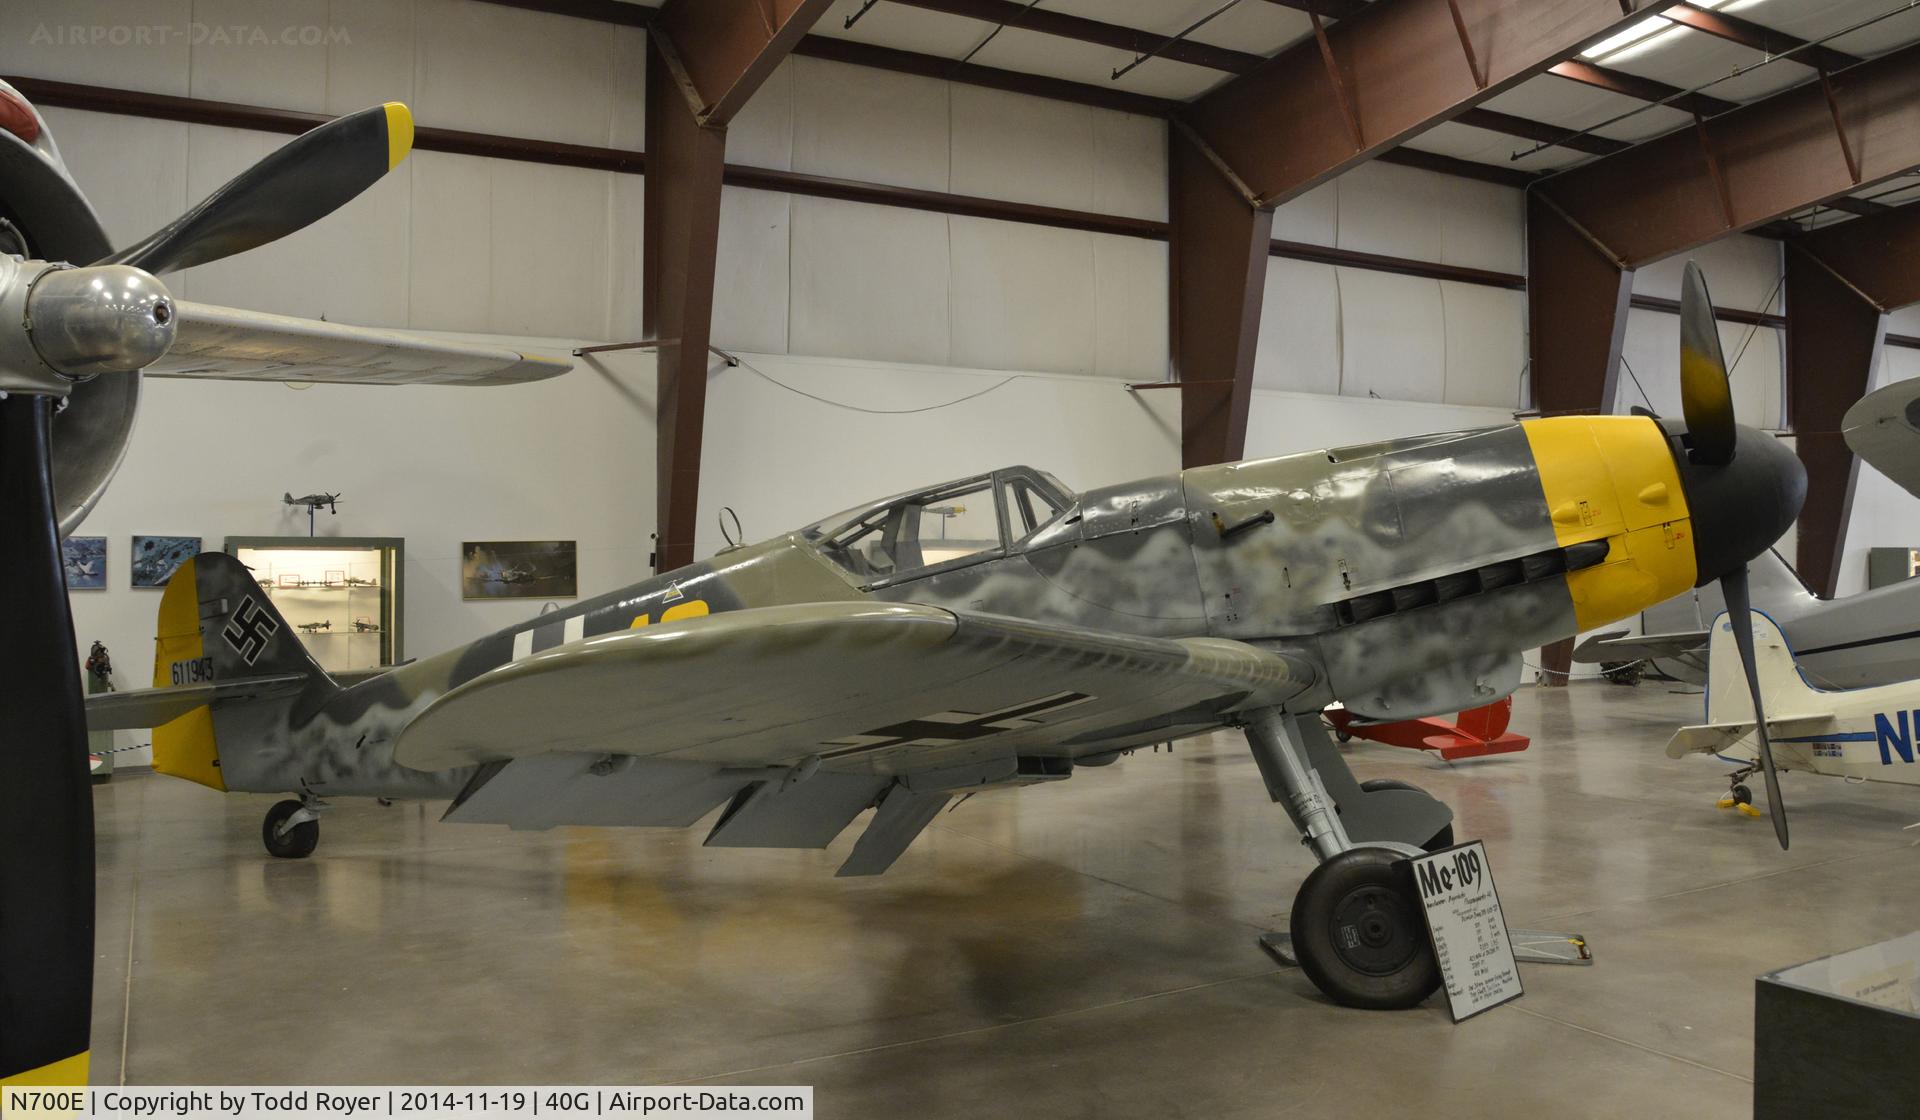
[1617, 44]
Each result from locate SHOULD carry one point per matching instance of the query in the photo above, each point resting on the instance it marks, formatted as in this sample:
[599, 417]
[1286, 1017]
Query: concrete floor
[1082, 949]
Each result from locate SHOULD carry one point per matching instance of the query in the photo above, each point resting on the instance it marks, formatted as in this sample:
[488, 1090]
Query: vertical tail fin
[1786, 692]
[216, 624]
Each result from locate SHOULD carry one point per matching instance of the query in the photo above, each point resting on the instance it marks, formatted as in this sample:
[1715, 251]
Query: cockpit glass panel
[917, 531]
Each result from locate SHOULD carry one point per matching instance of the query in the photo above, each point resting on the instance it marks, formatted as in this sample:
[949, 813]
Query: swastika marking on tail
[249, 629]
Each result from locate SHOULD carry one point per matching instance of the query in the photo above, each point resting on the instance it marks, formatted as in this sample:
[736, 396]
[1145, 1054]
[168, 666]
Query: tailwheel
[287, 836]
[1358, 934]
[1739, 798]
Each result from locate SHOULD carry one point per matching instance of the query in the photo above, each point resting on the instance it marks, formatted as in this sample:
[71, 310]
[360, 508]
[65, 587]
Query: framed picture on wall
[85, 561]
[519, 570]
[155, 558]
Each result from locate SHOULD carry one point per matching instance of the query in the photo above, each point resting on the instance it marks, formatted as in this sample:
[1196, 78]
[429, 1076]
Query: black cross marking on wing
[956, 726]
[249, 628]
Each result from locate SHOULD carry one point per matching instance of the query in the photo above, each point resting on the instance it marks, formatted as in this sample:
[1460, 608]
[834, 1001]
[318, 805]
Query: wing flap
[879, 688]
[226, 343]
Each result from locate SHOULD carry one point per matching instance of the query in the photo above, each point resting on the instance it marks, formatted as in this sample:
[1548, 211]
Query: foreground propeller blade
[1705, 396]
[46, 798]
[1740, 614]
[321, 171]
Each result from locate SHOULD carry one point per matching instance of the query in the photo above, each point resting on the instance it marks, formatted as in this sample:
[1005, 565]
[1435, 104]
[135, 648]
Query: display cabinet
[341, 595]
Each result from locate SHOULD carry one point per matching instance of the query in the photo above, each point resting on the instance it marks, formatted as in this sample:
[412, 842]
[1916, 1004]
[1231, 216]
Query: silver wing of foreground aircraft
[1003, 630]
[1859, 641]
[80, 325]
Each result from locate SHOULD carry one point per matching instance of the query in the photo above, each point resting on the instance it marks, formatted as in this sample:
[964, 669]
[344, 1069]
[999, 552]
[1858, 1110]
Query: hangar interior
[953, 235]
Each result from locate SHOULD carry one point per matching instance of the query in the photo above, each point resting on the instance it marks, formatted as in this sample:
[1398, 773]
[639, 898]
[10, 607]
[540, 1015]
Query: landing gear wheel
[1357, 932]
[297, 842]
[1742, 795]
[1440, 839]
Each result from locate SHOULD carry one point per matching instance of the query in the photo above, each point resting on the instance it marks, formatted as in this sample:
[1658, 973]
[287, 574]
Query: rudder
[1786, 692]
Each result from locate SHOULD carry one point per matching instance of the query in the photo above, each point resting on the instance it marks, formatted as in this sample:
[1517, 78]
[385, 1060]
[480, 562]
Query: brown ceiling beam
[1863, 207]
[1364, 85]
[719, 51]
[1060, 25]
[856, 53]
[1330, 9]
[1642, 89]
[1760, 162]
[1459, 168]
[1757, 37]
[1508, 125]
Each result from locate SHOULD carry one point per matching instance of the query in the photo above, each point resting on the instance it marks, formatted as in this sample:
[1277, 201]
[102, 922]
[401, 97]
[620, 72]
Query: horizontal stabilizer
[1618, 645]
[1712, 738]
[153, 707]
[228, 344]
[574, 788]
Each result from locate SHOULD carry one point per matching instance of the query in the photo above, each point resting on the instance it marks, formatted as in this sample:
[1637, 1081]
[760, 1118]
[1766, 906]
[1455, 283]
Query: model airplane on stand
[1872, 638]
[872, 661]
[80, 325]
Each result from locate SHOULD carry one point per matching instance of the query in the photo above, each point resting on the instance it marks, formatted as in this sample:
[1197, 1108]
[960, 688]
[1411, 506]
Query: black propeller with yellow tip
[1744, 489]
[46, 800]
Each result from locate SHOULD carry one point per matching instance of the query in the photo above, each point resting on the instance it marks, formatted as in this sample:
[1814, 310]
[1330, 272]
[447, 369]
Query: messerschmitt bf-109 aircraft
[903, 652]
[80, 326]
[1866, 734]
[1872, 638]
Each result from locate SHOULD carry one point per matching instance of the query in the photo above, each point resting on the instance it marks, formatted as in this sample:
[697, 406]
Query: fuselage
[1415, 572]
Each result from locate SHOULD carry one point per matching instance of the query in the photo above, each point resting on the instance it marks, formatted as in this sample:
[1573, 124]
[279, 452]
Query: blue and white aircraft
[1863, 733]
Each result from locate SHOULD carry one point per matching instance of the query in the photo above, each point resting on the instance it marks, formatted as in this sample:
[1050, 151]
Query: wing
[1883, 428]
[151, 707]
[800, 717]
[1712, 738]
[233, 345]
[1618, 645]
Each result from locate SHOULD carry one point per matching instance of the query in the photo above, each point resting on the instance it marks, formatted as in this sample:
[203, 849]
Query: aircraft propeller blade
[1740, 613]
[319, 172]
[46, 796]
[1706, 397]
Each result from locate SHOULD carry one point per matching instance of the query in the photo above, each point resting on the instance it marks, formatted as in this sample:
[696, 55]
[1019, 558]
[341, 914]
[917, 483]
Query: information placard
[1468, 931]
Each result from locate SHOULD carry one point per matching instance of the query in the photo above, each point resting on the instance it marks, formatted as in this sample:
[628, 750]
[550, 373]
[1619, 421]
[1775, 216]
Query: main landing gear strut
[1356, 928]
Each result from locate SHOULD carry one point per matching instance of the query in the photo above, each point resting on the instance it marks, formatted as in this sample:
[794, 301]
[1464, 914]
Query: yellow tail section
[184, 748]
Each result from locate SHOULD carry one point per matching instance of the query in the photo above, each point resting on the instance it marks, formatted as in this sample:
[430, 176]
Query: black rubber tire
[1358, 935]
[298, 842]
[1742, 795]
[1440, 839]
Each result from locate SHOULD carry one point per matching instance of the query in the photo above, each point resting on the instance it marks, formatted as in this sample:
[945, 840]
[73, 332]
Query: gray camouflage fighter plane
[1858, 641]
[1004, 630]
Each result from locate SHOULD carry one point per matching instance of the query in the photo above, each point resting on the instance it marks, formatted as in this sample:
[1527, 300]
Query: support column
[685, 161]
[1577, 298]
[1218, 257]
[705, 59]
[1834, 336]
